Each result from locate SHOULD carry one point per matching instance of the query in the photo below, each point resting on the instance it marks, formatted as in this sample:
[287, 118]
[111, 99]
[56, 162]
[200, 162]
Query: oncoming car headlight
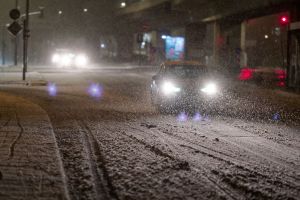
[169, 88]
[210, 89]
[66, 60]
[55, 58]
[81, 60]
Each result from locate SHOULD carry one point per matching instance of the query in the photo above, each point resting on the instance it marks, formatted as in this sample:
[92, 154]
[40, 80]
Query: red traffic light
[284, 20]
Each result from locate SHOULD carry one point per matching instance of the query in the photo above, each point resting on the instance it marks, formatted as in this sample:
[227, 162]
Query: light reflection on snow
[52, 89]
[276, 117]
[206, 118]
[182, 117]
[197, 117]
[95, 90]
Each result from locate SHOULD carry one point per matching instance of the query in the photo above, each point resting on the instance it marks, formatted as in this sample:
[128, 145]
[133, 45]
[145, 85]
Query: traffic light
[284, 20]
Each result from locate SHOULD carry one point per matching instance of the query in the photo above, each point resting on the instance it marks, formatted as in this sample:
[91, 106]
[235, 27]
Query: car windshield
[186, 71]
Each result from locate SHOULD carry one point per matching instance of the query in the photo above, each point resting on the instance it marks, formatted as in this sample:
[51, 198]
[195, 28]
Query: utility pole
[16, 41]
[139, 41]
[3, 46]
[25, 40]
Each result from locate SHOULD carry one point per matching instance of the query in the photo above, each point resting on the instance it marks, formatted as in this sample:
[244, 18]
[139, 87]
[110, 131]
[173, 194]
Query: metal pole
[3, 46]
[140, 56]
[16, 41]
[288, 58]
[25, 40]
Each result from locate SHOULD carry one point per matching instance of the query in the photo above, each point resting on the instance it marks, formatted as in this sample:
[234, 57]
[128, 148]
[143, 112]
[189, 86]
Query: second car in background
[64, 58]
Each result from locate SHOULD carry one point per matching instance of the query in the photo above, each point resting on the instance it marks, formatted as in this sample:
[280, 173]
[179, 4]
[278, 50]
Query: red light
[284, 20]
[281, 84]
[246, 74]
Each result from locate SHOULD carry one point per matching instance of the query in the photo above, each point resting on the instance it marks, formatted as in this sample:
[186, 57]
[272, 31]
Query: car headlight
[210, 89]
[55, 58]
[66, 60]
[81, 60]
[169, 88]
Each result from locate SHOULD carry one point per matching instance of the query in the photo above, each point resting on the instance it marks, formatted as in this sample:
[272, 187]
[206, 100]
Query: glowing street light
[163, 37]
[123, 4]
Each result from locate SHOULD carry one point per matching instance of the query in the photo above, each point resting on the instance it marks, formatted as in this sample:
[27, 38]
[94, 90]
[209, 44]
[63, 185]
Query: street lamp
[123, 4]
[16, 40]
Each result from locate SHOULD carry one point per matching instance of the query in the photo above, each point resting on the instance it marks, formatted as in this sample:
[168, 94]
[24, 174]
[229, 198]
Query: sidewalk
[30, 165]
[32, 78]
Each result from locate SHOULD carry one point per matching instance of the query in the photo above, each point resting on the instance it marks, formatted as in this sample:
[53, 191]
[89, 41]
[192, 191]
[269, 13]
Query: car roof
[171, 63]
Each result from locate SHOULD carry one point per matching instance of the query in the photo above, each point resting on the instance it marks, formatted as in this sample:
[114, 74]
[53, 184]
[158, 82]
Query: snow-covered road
[115, 145]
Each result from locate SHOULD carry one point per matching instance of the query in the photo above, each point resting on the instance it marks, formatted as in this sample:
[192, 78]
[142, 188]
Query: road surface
[115, 145]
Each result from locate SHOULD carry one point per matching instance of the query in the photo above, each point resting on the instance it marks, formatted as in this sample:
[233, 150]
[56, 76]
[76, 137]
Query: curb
[30, 163]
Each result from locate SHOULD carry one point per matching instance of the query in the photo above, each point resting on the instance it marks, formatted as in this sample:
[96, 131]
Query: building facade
[226, 34]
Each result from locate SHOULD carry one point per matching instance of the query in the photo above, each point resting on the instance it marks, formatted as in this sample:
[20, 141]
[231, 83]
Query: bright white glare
[60, 12]
[85, 10]
[169, 88]
[123, 4]
[81, 60]
[266, 36]
[163, 37]
[55, 58]
[103, 46]
[66, 60]
[210, 89]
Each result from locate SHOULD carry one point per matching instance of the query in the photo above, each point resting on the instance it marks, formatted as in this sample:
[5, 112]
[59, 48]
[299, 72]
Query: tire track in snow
[184, 165]
[239, 146]
[276, 158]
[97, 165]
[232, 164]
[101, 183]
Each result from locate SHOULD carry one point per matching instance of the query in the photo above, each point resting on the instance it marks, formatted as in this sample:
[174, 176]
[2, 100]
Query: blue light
[206, 118]
[182, 117]
[276, 117]
[52, 89]
[95, 90]
[197, 117]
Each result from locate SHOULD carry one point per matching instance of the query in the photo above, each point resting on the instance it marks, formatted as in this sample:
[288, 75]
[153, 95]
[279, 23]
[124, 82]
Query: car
[183, 84]
[65, 58]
